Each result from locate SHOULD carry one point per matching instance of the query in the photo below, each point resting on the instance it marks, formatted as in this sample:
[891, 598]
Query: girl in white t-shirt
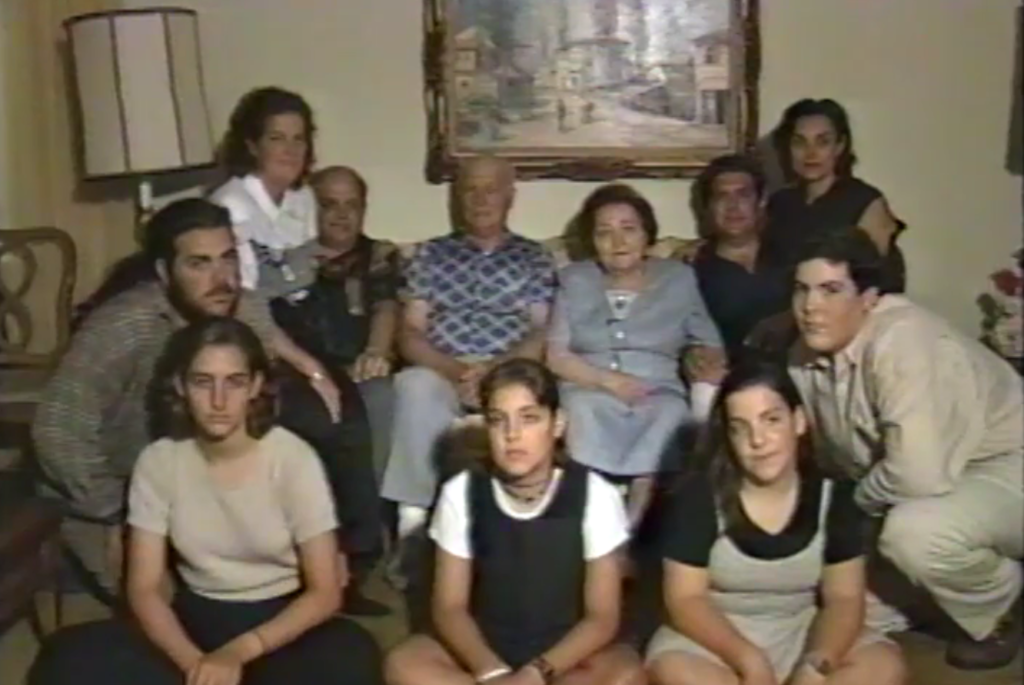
[528, 583]
[242, 511]
[268, 151]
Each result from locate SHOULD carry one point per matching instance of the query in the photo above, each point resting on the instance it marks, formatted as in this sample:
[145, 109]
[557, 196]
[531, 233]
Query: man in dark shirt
[745, 288]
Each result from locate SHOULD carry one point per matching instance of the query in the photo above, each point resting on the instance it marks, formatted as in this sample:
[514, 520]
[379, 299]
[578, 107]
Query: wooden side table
[29, 559]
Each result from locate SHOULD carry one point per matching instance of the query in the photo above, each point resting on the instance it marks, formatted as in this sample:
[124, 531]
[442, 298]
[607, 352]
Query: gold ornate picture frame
[590, 89]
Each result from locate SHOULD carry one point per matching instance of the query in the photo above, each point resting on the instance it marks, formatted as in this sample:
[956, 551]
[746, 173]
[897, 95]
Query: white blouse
[263, 228]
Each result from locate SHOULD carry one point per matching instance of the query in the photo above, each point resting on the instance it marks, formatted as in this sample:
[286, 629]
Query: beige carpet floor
[18, 646]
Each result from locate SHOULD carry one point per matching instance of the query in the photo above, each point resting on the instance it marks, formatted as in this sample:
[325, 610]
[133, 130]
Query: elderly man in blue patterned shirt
[475, 297]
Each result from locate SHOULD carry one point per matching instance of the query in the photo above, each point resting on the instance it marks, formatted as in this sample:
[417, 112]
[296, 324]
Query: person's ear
[560, 423]
[800, 421]
[841, 146]
[257, 386]
[870, 298]
[179, 386]
[162, 272]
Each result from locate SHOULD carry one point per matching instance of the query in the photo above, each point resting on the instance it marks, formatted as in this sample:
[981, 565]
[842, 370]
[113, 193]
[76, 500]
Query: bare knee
[889, 667]
[881, 663]
[679, 669]
[625, 668]
[406, 661]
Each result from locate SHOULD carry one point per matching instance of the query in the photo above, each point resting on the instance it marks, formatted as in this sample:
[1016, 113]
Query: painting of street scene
[594, 76]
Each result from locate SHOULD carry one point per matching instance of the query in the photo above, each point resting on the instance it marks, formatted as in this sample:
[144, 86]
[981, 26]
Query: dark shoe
[358, 604]
[995, 651]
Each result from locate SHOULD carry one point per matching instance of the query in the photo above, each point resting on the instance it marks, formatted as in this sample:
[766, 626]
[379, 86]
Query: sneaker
[995, 651]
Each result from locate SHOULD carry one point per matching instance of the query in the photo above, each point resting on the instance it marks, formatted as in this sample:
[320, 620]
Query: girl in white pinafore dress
[751, 545]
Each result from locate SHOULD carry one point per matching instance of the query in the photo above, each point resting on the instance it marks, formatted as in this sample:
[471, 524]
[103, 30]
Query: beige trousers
[965, 547]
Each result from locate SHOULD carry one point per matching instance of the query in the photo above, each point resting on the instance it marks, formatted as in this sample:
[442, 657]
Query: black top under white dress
[765, 584]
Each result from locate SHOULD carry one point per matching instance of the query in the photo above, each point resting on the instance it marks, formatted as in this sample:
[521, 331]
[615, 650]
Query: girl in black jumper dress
[528, 574]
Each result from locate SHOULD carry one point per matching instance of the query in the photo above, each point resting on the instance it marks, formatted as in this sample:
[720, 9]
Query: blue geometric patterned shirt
[479, 301]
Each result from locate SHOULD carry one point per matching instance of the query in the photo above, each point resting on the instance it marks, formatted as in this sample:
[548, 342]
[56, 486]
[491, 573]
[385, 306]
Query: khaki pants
[965, 547]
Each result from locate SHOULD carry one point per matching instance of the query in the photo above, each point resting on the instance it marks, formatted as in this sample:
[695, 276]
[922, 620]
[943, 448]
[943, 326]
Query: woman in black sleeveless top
[815, 147]
[528, 573]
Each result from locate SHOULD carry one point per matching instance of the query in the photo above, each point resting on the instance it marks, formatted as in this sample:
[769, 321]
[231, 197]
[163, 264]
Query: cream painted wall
[927, 83]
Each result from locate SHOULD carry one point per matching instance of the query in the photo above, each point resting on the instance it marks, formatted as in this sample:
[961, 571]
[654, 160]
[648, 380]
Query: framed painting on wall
[590, 89]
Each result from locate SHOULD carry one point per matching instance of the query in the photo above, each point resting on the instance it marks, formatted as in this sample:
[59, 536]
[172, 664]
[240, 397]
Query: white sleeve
[248, 266]
[450, 525]
[312, 227]
[605, 523]
[241, 214]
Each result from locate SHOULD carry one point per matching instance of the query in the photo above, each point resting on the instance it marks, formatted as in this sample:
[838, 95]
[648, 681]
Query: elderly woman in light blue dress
[620, 325]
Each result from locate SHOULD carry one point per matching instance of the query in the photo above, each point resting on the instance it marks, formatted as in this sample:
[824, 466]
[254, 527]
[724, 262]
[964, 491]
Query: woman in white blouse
[268, 152]
[241, 510]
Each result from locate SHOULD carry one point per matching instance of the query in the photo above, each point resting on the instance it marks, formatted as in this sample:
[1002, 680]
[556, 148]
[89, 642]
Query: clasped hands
[224, 666]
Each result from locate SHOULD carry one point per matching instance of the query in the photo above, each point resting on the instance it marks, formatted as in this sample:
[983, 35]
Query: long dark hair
[168, 410]
[716, 454]
[837, 116]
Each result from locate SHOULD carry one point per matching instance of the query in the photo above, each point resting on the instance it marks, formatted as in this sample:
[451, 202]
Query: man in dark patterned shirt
[92, 422]
[473, 298]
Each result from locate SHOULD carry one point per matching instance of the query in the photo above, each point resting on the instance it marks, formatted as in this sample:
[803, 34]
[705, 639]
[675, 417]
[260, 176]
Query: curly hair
[580, 232]
[168, 410]
[247, 124]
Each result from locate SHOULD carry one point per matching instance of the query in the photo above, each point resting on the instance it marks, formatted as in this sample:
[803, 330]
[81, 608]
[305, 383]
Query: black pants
[115, 652]
[346, 449]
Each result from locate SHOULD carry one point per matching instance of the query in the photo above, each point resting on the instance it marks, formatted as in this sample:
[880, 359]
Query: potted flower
[1003, 310]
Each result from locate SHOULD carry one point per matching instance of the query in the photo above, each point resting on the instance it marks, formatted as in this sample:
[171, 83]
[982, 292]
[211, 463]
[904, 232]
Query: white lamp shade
[140, 90]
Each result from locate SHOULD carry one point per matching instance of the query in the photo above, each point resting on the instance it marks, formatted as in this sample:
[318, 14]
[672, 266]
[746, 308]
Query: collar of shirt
[850, 356]
[508, 239]
[156, 293]
[254, 186]
[708, 255]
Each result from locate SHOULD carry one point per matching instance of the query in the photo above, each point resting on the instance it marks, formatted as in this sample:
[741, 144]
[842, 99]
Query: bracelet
[817, 663]
[546, 670]
[316, 376]
[493, 674]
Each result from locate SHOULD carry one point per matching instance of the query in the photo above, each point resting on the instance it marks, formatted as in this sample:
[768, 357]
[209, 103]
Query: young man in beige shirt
[931, 423]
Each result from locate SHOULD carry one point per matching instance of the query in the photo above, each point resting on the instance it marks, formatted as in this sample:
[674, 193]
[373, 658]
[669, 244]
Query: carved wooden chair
[38, 267]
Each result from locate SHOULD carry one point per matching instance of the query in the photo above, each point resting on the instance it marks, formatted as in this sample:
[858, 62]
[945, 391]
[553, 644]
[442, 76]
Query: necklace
[510, 489]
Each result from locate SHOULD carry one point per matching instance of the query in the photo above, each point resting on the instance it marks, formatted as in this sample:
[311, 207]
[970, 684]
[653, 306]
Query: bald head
[324, 178]
[486, 165]
[485, 188]
[341, 194]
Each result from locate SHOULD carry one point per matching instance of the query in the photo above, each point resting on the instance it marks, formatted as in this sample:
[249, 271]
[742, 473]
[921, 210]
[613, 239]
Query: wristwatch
[546, 670]
[819, 664]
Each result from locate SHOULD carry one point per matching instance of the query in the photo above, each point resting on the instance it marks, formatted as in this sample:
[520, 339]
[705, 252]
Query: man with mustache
[92, 421]
[931, 424]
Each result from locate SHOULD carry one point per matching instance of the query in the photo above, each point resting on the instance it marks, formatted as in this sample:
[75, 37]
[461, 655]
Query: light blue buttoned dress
[641, 334]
